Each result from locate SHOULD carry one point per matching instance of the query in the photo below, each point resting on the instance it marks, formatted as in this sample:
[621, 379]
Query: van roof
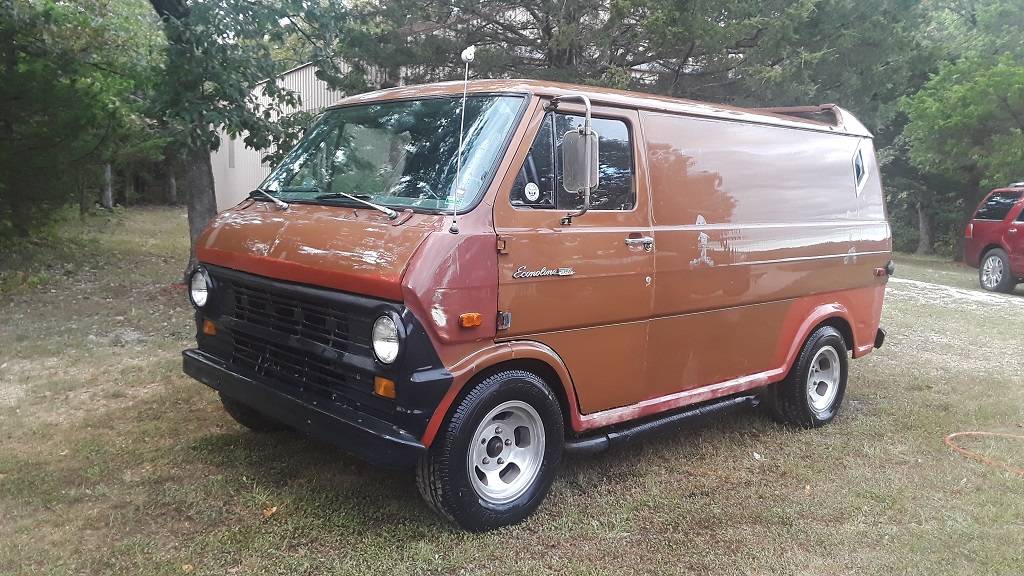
[803, 117]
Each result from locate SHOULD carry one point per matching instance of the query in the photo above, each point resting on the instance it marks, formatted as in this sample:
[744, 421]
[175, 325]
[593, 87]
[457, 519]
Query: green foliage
[68, 75]
[966, 124]
[216, 54]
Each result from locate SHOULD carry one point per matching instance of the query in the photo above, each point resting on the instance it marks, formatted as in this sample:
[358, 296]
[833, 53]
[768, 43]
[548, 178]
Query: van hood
[351, 249]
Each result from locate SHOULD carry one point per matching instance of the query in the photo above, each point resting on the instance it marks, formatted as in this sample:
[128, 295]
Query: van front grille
[294, 338]
[304, 374]
[293, 316]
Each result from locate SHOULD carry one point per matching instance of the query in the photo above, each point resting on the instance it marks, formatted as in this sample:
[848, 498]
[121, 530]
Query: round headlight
[385, 339]
[199, 288]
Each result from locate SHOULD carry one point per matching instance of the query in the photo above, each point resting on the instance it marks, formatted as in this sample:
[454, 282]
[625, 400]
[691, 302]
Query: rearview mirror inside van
[579, 162]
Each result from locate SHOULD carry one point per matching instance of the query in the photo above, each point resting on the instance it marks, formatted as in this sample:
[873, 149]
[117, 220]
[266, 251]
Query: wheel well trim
[493, 358]
[988, 248]
[833, 314]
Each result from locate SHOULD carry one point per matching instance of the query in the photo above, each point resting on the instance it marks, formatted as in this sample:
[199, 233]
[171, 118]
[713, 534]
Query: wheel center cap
[494, 446]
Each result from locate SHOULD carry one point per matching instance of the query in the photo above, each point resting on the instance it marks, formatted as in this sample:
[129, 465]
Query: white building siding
[238, 169]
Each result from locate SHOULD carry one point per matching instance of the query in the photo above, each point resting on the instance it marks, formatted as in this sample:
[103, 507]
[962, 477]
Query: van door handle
[646, 241]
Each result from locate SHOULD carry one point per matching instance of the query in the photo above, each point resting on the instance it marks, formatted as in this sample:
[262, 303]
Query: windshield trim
[524, 98]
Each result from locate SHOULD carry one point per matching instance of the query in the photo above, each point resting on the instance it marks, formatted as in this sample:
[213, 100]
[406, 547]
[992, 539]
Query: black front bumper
[369, 438]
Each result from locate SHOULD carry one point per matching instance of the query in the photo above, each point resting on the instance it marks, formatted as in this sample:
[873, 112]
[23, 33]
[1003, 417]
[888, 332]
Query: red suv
[995, 239]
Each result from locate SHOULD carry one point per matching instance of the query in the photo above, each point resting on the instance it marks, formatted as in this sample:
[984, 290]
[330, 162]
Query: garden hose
[950, 441]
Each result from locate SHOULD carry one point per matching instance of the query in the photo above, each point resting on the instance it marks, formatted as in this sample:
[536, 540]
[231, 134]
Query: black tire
[1007, 282]
[789, 401]
[443, 474]
[251, 419]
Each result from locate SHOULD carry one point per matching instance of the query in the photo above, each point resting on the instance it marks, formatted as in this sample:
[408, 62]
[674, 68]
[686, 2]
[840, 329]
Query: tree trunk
[925, 229]
[83, 195]
[172, 184]
[202, 203]
[107, 200]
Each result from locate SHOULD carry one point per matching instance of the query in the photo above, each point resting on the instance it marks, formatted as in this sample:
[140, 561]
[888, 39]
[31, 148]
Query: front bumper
[369, 438]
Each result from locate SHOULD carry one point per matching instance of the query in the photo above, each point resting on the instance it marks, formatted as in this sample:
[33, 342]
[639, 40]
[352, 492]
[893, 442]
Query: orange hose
[984, 459]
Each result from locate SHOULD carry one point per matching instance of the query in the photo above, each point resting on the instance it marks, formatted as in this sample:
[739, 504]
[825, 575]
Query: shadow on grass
[317, 478]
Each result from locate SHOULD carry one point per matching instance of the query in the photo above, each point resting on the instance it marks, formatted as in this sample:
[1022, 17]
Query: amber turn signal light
[209, 328]
[470, 320]
[383, 387]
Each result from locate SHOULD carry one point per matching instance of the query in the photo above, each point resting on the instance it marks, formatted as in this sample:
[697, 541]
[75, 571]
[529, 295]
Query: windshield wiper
[277, 201]
[391, 214]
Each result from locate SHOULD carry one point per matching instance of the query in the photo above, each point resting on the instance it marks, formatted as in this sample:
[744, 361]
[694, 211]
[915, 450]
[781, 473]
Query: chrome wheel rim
[823, 379]
[506, 452]
[992, 271]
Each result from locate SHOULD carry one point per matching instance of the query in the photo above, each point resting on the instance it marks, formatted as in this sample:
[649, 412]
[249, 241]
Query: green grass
[113, 462]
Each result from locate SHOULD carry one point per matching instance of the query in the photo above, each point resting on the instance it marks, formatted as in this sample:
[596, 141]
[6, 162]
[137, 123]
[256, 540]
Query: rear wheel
[994, 272]
[812, 393]
[251, 419]
[495, 457]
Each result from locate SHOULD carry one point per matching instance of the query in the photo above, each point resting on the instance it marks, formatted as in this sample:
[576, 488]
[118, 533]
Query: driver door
[585, 289]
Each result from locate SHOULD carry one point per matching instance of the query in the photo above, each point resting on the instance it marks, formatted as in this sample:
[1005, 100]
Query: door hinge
[502, 246]
[504, 320]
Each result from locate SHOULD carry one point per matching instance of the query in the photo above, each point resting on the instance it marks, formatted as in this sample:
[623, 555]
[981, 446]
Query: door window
[538, 184]
[997, 206]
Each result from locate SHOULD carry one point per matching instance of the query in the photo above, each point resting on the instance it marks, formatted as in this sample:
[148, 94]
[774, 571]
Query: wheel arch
[834, 315]
[519, 355]
[988, 248]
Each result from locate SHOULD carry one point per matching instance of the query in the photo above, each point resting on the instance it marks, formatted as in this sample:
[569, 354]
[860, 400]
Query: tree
[216, 53]
[69, 78]
[967, 122]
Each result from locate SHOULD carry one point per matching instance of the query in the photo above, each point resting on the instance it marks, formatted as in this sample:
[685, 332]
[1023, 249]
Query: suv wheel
[812, 393]
[251, 419]
[994, 272]
[495, 457]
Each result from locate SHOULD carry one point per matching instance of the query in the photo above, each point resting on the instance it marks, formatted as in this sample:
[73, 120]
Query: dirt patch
[949, 296]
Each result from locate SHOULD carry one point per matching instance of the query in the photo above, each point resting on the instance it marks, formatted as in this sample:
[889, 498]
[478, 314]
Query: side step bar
[623, 434]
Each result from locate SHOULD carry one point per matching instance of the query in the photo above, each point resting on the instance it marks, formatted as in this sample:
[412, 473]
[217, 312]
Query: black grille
[304, 373]
[293, 316]
[264, 340]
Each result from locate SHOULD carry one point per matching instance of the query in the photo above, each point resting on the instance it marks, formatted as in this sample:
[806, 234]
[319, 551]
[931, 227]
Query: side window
[997, 206]
[538, 184]
[616, 190]
[535, 183]
[859, 172]
[1020, 217]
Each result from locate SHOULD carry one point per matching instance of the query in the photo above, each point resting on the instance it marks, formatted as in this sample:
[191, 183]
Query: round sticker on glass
[532, 192]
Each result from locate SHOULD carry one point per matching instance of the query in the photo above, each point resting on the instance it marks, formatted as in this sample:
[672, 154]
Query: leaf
[269, 511]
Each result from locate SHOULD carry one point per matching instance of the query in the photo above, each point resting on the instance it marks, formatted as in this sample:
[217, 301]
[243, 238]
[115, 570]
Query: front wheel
[495, 457]
[994, 272]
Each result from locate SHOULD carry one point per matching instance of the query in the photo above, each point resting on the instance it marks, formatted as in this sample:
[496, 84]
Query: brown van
[475, 286]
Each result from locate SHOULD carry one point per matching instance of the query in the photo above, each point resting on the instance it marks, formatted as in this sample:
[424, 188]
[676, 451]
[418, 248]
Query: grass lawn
[113, 462]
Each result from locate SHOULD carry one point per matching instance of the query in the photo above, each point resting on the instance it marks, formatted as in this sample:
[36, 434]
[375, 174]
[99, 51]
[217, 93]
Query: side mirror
[579, 162]
[579, 157]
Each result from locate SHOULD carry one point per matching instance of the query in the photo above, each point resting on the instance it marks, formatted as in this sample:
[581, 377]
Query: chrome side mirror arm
[585, 130]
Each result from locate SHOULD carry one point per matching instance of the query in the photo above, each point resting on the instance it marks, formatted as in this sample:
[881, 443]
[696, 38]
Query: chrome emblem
[524, 272]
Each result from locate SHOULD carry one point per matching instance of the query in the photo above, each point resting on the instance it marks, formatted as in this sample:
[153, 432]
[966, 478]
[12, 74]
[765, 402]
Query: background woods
[107, 102]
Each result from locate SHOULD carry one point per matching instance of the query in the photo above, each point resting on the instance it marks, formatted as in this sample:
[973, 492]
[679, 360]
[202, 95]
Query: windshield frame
[524, 98]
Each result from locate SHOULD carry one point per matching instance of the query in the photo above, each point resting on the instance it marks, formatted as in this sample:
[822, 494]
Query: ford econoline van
[474, 285]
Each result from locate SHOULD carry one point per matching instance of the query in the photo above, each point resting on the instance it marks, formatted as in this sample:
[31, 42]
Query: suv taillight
[969, 233]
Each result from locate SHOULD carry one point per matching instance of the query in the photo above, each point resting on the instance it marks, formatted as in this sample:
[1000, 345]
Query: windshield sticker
[524, 272]
[702, 245]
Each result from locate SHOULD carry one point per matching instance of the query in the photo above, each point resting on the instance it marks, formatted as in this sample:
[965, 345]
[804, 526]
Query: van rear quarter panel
[757, 229]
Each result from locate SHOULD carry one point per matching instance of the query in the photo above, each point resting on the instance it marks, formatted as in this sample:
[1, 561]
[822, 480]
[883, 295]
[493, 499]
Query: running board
[628, 433]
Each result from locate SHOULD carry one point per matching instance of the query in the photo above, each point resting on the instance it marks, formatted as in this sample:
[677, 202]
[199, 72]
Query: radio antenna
[467, 56]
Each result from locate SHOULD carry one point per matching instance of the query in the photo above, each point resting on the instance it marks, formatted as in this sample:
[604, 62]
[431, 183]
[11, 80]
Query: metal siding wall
[233, 184]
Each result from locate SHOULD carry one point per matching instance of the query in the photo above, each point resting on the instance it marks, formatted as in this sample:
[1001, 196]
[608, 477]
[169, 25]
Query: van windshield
[401, 154]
